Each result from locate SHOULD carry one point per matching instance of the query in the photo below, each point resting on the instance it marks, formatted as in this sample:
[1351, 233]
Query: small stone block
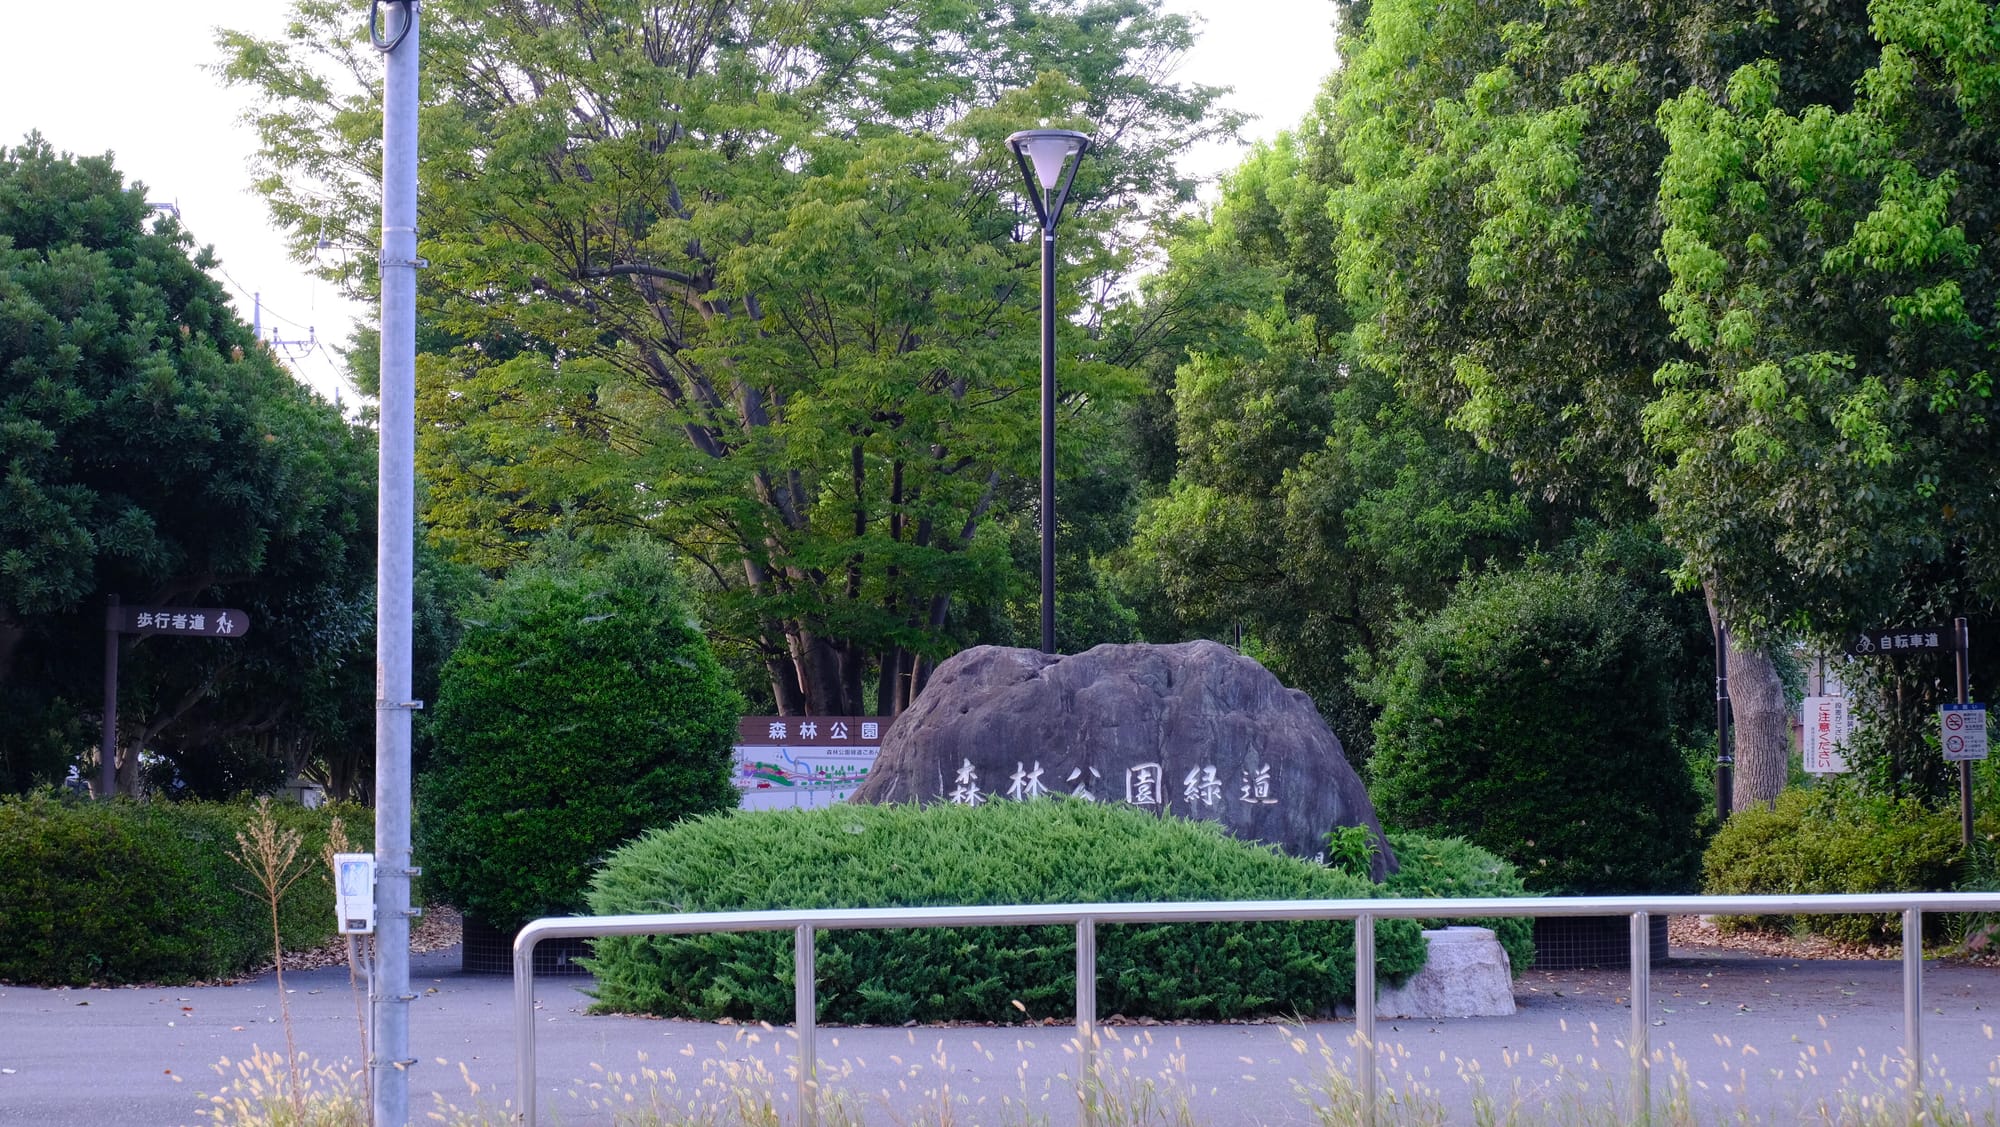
[1466, 975]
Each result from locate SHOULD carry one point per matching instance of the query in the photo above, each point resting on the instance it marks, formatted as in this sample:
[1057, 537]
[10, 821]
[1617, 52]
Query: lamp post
[1048, 160]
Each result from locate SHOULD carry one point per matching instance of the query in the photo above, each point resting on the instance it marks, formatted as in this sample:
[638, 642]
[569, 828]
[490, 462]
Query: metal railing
[1364, 913]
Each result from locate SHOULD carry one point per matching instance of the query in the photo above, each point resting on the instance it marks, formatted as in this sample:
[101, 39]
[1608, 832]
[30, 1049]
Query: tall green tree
[152, 450]
[755, 279]
[1829, 441]
[1313, 504]
[1501, 237]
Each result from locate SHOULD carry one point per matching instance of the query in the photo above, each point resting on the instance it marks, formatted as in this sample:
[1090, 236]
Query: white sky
[127, 76]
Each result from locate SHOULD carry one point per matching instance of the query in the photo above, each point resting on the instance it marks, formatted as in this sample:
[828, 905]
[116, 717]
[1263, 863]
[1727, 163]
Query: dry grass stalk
[270, 854]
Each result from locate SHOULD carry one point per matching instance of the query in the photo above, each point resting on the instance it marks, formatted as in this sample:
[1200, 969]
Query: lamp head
[1048, 150]
[1048, 160]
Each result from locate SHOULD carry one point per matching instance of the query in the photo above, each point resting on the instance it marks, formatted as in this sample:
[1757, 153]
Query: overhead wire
[293, 351]
[263, 310]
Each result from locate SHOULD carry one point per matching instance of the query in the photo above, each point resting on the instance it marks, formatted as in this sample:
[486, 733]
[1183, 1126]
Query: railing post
[1913, 999]
[524, 1029]
[1641, 957]
[805, 1019]
[1086, 1016]
[1364, 1012]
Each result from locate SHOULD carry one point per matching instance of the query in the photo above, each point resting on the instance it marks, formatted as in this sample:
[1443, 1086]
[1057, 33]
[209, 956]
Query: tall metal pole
[1049, 436]
[1961, 644]
[389, 996]
[1048, 160]
[107, 740]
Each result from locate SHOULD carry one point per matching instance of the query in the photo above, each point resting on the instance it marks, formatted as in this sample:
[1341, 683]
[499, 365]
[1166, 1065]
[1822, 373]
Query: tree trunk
[791, 700]
[819, 674]
[127, 776]
[11, 634]
[887, 701]
[853, 677]
[1761, 722]
[1763, 727]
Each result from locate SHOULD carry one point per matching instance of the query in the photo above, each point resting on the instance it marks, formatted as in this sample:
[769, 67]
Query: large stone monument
[1195, 730]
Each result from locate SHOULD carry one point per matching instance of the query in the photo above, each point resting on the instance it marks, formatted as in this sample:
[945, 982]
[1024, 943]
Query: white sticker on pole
[1828, 724]
[1963, 728]
[354, 893]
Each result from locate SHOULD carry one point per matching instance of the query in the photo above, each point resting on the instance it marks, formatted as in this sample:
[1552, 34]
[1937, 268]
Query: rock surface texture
[1467, 975]
[1194, 729]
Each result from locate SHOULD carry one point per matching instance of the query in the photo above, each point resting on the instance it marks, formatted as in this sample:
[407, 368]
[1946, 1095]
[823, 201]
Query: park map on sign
[801, 762]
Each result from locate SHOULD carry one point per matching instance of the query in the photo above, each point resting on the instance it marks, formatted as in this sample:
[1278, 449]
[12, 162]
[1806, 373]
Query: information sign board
[1962, 728]
[201, 622]
[1828, 724]
[1902, 639]
[804, 762]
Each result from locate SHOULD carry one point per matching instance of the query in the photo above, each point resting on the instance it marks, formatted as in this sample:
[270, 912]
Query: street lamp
[1048, 160]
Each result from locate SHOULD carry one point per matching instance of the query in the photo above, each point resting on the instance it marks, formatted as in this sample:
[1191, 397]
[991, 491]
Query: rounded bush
[1832, 839]
[1042, 852]
[1433, 867]
[1532, 716]
[119, 892]
[581, 707]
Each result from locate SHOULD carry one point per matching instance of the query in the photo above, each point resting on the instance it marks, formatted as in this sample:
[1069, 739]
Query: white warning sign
[1962, 728]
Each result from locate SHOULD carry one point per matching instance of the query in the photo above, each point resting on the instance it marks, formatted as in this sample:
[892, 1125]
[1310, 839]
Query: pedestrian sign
[1962, 728]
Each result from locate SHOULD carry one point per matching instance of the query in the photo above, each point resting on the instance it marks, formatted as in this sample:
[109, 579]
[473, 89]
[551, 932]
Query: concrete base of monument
[1467, 975]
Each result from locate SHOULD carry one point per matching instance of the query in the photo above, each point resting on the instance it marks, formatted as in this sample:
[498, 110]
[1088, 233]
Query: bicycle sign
[1902, 639]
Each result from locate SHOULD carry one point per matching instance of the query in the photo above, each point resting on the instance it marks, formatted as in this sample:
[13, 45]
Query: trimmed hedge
[1057, 851]
[1449, 866]
[1831, 839]
[1532, 716]
[582, 706]
[117, 892]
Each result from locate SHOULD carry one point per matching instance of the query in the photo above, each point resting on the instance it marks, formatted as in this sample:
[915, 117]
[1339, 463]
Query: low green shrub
[1058, 851]
[1832, 839]
[1449, 866]
[129, 892]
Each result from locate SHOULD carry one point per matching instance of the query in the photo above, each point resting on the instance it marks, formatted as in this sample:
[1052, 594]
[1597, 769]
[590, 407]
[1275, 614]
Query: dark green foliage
[1833, 839]
[151, 449]
[1003, 853]
[122, 892]
[1449, 866]
[582, 706]
[1532, 716]
[1311, 503]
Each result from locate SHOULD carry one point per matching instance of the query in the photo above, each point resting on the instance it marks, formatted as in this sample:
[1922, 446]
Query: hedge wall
[94, 892]
[1005, 853]
[1829, 838]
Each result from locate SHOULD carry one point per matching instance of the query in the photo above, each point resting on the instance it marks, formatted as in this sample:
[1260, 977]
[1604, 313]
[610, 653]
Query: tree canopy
[755, 280]
[152, 449]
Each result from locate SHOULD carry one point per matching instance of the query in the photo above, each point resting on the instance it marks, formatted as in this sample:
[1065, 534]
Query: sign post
[1961, 726]
[1906, 639]
[200, 622]
[1972, 729]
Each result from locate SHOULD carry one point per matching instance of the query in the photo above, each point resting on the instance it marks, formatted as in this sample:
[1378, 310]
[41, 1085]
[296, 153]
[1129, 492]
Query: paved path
[1751, 1034]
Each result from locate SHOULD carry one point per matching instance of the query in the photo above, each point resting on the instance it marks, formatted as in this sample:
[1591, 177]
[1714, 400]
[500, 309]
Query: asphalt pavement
[1735, 1035]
